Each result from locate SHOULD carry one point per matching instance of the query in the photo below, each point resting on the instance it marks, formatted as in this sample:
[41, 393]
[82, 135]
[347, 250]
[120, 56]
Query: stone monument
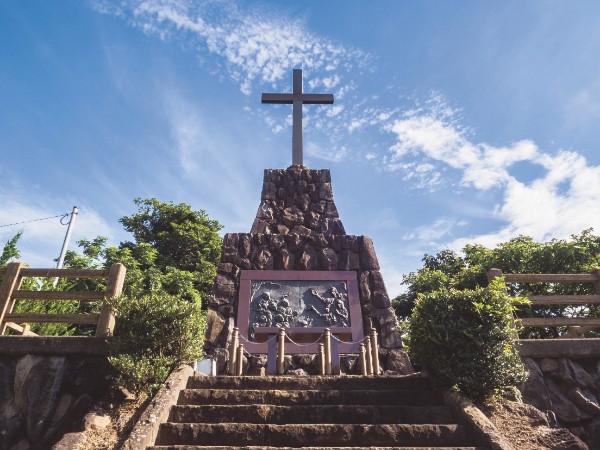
[298, 269]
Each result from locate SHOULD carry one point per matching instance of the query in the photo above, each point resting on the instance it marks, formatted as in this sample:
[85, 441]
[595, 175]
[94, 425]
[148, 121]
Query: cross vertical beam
[297, 98]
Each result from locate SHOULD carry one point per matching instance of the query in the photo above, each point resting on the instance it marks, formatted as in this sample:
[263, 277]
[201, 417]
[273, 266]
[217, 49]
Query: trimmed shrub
[464, 338]
[154, 335]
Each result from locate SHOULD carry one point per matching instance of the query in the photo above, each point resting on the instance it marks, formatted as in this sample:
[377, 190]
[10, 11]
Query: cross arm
[307, 99]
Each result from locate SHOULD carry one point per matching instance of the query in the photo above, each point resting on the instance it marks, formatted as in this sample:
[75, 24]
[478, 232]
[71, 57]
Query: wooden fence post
[363, 359]
[240, 360]
[114, 287]
[281, 352]
[327, 351]
[233, 352]
[493, 274]
[374, 351]
[369, 358]
[321, 356]
[10, 283]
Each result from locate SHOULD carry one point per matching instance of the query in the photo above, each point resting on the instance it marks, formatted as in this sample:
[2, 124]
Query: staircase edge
[473, 418]
[145, 429]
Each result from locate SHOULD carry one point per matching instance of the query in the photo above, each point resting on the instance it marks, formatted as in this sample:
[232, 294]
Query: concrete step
[321, 435]
[216, 447]
[367, 414]
[308, 397]
[352, 382]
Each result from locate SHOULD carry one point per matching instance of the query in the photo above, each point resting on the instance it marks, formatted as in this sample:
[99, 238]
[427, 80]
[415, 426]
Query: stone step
[352, 382]
[308, 397]
[252, 447]
[369, 414]
[322, 435]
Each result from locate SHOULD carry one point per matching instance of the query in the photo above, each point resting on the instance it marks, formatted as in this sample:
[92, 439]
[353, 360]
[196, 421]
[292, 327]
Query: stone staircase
[349, 412]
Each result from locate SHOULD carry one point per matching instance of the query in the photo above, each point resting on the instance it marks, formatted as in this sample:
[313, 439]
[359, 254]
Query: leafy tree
[449, 270]
[176, 249]
[10, 250]
[155, 334]
[463, 338]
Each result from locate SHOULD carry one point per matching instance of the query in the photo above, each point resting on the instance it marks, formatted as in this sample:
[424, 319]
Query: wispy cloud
[558, 203]
[255, 45]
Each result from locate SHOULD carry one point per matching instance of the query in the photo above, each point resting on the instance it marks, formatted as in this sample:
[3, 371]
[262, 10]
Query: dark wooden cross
[297, 98]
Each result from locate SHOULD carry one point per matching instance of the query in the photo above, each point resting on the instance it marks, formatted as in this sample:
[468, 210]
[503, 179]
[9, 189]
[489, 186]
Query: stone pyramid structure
[298, 228]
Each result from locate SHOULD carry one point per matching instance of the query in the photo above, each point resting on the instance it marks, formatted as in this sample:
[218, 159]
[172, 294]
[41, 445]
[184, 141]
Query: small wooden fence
[10, 293]
[328, 355]
[577, 325]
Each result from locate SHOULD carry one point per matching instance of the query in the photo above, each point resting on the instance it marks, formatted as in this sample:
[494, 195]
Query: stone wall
[569, 391]
[297, 201]
[42, 396]
[297, 227]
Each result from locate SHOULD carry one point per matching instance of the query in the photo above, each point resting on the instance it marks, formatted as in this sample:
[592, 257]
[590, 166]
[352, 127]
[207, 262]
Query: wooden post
[321, 357]
[363, 360]
[374, 352]
[240, 360]
[327, 351]
[10, 283]
[368, 356]
[281, 352]
[114, 287]
[492, 274]
[233, 352]
[272, 355]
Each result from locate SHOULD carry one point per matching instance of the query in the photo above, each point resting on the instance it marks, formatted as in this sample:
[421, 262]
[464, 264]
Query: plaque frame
[305, 336]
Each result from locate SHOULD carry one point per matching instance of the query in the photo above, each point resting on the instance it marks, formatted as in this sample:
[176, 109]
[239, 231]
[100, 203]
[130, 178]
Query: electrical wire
[62, 216]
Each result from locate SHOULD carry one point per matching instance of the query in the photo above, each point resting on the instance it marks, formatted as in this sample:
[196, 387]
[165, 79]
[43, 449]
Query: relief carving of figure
[335, 308]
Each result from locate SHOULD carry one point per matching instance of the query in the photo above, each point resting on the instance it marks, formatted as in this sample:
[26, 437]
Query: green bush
[464, 338]
[154, 334]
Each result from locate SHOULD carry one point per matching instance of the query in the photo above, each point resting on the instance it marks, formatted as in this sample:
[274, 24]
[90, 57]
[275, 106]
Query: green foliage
[10, 250]
[176, 250]
[448, 270]
[464, 338]
[155, 334]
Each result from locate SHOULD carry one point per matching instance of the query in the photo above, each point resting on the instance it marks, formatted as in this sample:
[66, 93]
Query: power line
[62, 216]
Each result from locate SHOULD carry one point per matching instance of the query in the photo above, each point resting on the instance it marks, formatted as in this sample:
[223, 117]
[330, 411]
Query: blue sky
[454, 122]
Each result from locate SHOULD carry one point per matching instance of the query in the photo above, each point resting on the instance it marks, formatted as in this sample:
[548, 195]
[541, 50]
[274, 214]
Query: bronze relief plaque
[302, 302]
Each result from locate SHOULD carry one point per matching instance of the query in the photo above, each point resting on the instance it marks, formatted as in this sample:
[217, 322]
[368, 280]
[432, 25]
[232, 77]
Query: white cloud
[314, 150]
[255, 44]
[560, 202]
[432, 233]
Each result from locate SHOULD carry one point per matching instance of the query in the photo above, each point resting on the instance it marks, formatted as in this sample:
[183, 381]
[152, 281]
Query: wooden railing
[578, 325]
[10, 293]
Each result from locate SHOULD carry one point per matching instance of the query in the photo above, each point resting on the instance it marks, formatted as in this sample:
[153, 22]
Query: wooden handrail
[78, 319]
[559, 321]
[10, 294]
[564, 299]
[550, 278]
[84, 296]
[575, 322]
[65, 273]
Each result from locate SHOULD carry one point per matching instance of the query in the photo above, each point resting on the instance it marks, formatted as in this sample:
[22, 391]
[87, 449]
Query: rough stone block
[264, 259]
[398, 361]
[301, 230]
[37, 386]
[364, 289]
[328, 259]
[268, 191]
[214, 325]
[368, 259]
[307, 260]
[380, 300]
[94, 421]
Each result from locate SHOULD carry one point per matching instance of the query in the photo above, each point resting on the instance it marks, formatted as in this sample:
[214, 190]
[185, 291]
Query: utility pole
[61, 258]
